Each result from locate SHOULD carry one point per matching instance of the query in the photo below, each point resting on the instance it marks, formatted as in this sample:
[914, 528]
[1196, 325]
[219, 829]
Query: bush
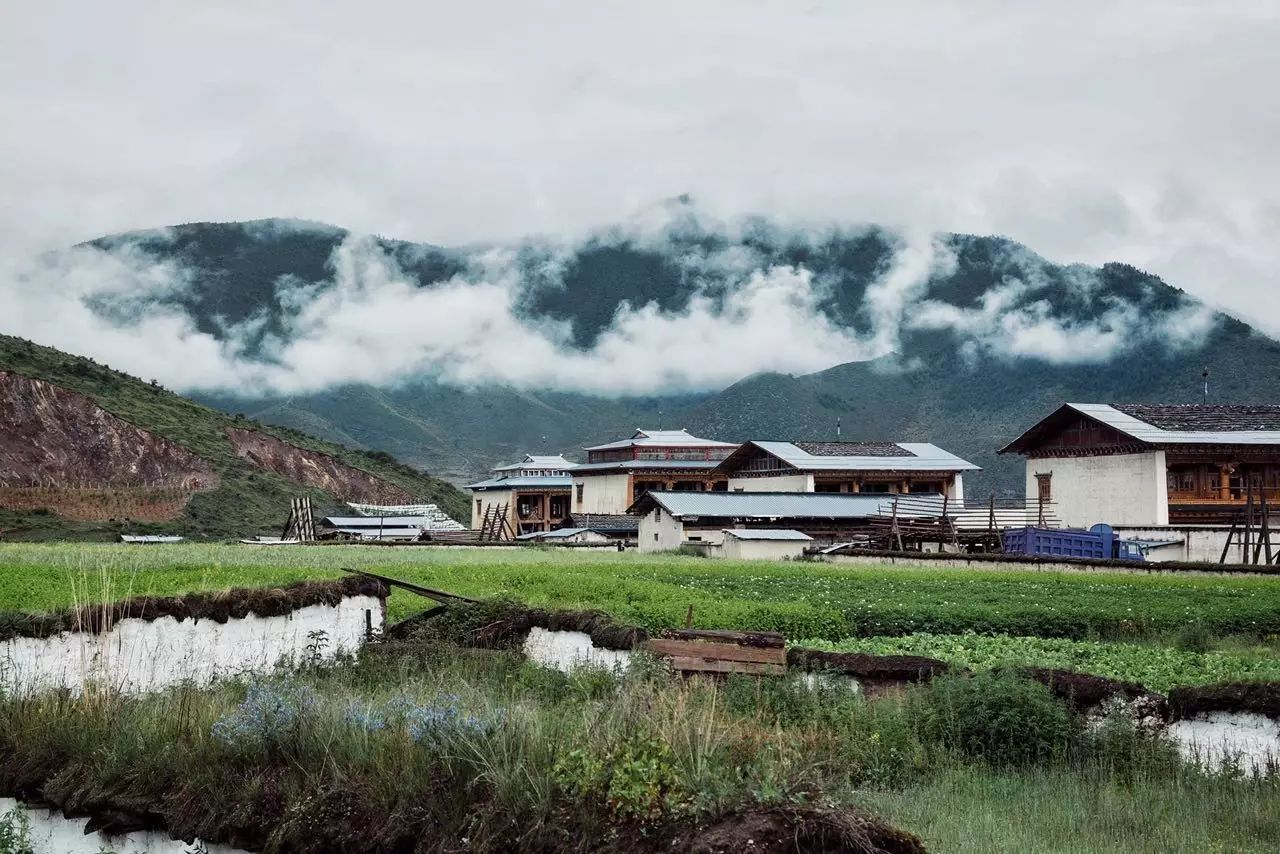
[15, 832]
[998, 717]
[1193, 637]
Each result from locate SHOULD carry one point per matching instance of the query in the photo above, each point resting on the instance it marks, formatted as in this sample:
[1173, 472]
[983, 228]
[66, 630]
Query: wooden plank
[427, 592]
[758, 639]
[716, 651]
[753, 668]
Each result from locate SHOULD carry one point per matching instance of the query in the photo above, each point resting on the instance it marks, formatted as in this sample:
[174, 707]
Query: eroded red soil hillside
[60, 450]
[314, 469]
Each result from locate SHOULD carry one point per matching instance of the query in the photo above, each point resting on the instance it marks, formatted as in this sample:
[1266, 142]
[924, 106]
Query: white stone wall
[1121, 489]
[660, 532]
[956, 490]
[778, 483]
[147, 655]
[1200, 543]
[602, 493]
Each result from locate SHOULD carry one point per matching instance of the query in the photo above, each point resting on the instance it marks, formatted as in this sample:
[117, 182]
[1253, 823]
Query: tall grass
[483, 745]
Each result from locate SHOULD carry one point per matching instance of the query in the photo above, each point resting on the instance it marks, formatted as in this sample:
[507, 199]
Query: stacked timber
[703, 651]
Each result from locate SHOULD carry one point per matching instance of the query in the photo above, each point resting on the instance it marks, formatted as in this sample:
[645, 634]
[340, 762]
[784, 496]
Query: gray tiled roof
[777, 505]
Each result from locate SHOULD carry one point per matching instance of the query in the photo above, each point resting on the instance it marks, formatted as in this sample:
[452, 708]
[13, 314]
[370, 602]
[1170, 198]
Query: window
[479, 506]
[1044, 486]
[580, 487]
[657, 515]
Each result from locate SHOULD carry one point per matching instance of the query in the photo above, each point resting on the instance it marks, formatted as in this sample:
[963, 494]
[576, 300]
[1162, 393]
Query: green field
[1156, 666]
[803, 600]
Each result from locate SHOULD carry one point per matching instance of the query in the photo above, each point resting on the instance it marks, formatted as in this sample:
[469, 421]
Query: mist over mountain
[454, 358]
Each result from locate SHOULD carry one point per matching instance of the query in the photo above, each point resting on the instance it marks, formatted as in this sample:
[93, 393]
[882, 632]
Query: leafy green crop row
[1158, 668]
[802, 600]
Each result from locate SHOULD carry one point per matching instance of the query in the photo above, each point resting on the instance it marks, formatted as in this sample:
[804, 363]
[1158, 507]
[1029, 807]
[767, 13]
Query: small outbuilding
[764, 543]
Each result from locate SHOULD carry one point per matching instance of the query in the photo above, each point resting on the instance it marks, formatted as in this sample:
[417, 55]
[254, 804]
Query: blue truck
[1098, 543]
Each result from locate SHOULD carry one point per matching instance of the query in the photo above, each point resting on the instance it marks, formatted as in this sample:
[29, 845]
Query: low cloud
[372, 322]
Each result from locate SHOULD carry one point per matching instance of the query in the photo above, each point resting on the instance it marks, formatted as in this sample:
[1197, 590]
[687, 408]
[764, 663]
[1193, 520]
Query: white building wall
[763, 549]
[955, 492]
[779, 483]
[496, 497]
[660, 532]
[602, 493]
[1121, 489]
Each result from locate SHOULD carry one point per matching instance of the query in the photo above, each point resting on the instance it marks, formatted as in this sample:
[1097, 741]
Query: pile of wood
[703, 651]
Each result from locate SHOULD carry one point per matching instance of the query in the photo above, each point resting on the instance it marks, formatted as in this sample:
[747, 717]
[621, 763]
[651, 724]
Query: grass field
[803, 600]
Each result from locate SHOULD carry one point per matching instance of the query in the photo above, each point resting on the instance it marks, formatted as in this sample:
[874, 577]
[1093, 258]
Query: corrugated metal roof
[773, 505]
[534, 461]
[625, 465]
[672, 438]
[1147, 432]
[612, 522]
[150, 539]
[548, 481]
[774, 534]
[918, 456]
[365, 523]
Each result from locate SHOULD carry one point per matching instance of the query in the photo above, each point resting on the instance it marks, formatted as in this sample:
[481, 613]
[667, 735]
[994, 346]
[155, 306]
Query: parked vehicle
[1098, 543]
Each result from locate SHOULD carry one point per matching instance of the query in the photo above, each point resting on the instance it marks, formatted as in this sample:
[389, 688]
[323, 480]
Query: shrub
[15, 832]
[998, 717]
[1193, 637]
[636, 779]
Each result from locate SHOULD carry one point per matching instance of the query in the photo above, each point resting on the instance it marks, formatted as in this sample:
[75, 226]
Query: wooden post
[688, 617]
[1248, 523]
[1226, 547]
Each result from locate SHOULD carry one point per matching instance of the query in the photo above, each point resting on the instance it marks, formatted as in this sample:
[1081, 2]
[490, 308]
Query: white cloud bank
[373, 323]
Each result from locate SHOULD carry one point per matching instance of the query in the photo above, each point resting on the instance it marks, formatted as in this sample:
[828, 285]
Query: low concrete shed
[765, 544]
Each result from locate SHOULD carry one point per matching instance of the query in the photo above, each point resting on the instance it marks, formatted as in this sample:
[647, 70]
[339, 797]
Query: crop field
[803, 600]
[1156, 666]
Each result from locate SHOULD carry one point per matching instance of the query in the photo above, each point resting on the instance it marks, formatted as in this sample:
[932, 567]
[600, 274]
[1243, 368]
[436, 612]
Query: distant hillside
[88, 451]
[981, 345]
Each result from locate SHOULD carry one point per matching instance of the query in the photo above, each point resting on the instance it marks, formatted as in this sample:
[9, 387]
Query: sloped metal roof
[664, 438]
[772, 534]
[626, 465]
[916, 456]
[533, 461]
[774, 505]
[1193, 424]
[365, 523]
[544, 481]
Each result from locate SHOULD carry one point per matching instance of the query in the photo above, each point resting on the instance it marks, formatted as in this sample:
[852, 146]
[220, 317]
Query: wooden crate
[702, 651]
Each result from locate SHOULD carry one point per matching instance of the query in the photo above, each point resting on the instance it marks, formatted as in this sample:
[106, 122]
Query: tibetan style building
[618, 473]
[1152, 465]
[535, 493]
[850, 467]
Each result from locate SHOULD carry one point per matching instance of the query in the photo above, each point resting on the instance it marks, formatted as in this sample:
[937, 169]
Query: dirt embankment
[311, 468]
[60, 450]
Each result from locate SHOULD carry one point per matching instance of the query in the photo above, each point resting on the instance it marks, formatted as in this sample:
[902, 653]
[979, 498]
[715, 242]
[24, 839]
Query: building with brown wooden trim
[1151, 464]
[535, 493]
[617, 473]
[892, 468]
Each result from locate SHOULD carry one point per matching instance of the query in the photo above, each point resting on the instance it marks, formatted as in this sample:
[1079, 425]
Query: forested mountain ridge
[963, 340]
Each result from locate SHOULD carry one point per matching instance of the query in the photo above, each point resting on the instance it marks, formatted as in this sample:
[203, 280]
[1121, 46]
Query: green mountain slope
[248, 498]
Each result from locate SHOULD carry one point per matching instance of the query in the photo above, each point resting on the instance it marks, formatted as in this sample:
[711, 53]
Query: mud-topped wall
[314, 469]
[60, 450]
[150, 644]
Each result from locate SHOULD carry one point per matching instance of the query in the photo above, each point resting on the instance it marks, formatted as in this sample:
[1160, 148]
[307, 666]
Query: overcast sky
[1147, 132]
